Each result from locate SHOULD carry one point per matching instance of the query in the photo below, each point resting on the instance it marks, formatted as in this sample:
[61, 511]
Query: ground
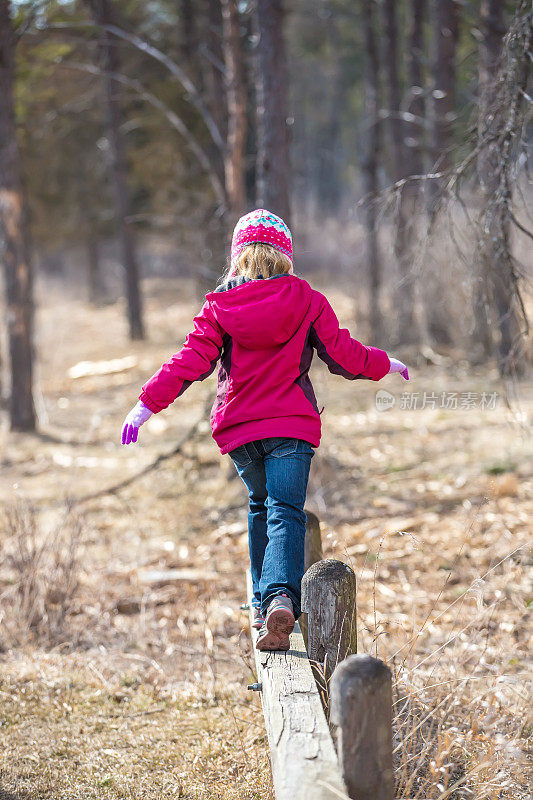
[120, 684]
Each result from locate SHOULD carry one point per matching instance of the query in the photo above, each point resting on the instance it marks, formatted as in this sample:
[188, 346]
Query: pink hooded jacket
[264, 332]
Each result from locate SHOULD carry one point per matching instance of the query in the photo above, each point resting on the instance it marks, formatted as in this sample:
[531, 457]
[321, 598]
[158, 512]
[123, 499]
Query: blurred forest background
[394, 136]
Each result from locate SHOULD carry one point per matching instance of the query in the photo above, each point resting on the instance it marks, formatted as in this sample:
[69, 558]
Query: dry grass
[461, 725]
[39, 576]
[97, 734]
[141, 691]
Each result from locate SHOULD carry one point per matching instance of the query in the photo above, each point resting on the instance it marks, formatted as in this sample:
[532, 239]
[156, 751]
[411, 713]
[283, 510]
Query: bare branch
[520, 226]
[172, 67]
[208, 54]
[176, 121]
[125, 482]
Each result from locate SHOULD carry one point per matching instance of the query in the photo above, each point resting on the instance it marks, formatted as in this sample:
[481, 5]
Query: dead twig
[117, 487]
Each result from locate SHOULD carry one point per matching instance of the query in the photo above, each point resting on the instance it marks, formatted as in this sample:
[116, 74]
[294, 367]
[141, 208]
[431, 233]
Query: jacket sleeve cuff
[149, 403]
[380, 363]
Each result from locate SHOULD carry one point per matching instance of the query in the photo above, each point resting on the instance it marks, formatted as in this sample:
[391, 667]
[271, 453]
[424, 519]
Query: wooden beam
[303, 758]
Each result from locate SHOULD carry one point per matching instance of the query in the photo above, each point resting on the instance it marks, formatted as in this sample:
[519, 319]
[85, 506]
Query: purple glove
[398, 366]
[137, 417]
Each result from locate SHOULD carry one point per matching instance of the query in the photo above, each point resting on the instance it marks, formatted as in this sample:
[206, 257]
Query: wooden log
[328, 597]
[313, 553]
[361, 720]
[303, 758]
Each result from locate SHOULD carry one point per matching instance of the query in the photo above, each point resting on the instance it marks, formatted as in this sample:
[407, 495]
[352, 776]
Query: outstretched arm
[342, 354]
[194, 362]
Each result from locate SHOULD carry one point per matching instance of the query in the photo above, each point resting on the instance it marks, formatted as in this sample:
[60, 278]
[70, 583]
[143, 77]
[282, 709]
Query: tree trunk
[248, 39]
[329, 151]
[414, 129]
[404, 221]
[273, 161]
[89, 233]
[494, 287]
[94, 275]
[16, 256]
[190, 41]
[445, 14]
[370, 153]
[110, 64]
[493, 30]
[216, 89]
[392, 79]
[234, 166]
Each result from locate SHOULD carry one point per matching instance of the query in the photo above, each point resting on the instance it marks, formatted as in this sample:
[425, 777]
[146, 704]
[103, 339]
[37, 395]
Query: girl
[263, 324]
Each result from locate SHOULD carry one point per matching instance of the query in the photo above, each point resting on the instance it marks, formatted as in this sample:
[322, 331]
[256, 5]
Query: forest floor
[118, 683]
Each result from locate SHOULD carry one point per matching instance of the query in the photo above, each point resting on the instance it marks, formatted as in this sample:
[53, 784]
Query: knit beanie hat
[261, 226]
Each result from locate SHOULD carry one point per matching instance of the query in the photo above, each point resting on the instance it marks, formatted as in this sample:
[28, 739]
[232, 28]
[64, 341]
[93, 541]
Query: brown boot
[279, 624]
[258, 618]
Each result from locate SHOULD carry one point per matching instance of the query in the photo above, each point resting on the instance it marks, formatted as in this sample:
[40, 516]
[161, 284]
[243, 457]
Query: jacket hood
[262, 313]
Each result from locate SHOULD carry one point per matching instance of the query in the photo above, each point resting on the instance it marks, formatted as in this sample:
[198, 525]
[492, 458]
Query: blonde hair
[259, 260]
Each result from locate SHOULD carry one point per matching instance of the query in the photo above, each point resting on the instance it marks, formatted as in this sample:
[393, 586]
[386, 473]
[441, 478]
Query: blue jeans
[275, 472]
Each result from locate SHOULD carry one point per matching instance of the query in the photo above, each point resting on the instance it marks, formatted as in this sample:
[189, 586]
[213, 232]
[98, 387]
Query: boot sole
[280, 622]
[270, 641]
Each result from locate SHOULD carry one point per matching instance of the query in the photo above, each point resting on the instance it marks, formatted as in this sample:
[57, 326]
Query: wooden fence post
[361, 718]
[313, 553]
[328, 597]
[313, 540]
